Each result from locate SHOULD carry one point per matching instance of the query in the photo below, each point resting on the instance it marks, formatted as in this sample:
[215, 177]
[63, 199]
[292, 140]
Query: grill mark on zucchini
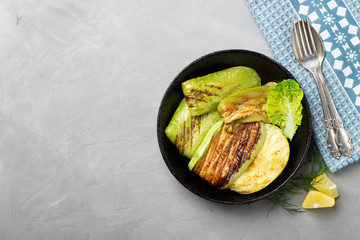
[188, 133]
[196, 95]
[212, 160]
[221, 160]
[227, 153]
[213, 86]
[192, 129]
[197, 92]
[183, 139]
[237, 141]
[238, 135]
[221, 172]
[189, 99]
[252, 137]
[206, 158]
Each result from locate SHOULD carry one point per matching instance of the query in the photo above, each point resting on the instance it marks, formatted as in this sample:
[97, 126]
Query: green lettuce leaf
[284, 106]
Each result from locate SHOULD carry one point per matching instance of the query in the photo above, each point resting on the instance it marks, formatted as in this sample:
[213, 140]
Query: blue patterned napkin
[338, 22]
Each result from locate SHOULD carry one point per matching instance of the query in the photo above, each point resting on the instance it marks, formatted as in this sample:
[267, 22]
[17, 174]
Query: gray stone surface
[80, 87]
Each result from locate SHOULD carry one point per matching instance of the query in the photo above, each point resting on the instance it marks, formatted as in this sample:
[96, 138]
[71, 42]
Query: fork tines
[306, 45]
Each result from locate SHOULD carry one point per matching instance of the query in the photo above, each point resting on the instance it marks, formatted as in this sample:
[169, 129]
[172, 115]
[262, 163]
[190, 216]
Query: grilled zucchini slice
[267, 165]
[186, 131]
[246, 105]
[204, 93]
[229, 153]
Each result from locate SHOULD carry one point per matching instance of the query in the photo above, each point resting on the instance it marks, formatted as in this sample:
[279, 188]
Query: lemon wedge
[323, 184]
[316, 199]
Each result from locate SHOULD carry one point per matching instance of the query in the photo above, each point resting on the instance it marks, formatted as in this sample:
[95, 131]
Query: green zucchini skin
[186, 132]
[204, 93]
[205, 144]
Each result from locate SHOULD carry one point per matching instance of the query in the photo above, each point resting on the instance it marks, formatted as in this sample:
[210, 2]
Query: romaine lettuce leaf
[284, 106]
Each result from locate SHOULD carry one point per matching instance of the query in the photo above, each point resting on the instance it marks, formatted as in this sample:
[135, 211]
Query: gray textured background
[80, 87]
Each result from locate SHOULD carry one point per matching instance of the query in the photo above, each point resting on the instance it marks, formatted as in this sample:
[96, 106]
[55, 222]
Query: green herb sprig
[303, 180]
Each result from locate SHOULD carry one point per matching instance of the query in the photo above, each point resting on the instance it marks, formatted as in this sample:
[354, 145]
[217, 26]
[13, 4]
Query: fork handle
[342, 136]
[328, 123]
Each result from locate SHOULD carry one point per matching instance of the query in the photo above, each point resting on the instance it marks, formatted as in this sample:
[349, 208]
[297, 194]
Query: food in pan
[234, 130]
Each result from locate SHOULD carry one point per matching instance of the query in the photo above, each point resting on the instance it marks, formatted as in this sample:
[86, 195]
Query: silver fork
[309, 52]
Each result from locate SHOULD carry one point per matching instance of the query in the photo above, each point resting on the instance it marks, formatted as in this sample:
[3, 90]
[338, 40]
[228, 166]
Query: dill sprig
[313, 167]
[283, 200]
